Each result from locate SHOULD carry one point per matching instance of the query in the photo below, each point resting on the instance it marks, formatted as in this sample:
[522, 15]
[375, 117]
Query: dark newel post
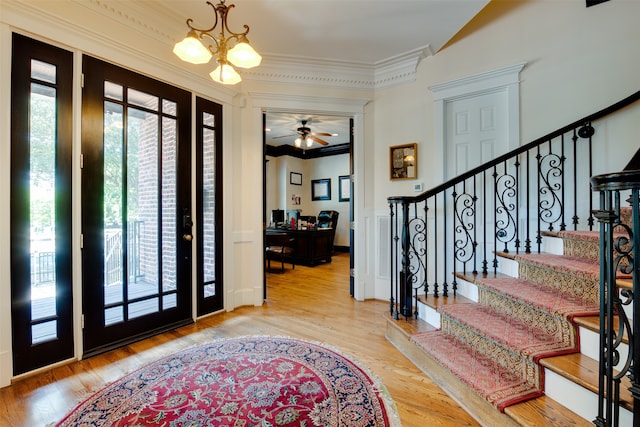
[393, 256]
[406, 278]
[633, 340]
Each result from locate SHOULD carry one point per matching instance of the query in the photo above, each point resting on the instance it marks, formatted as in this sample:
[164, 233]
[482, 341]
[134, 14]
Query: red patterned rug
[247, 381]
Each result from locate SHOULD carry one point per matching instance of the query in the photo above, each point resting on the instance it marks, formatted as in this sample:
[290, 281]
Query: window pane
[208, 205]
[113, 315]
[42, 201]
[142, 203]
[141, 308]
[113, 91]
[208, 119]
[169, 200]
[113, 203]
[44, 331]
[141, 99]
[169, 107]
[43, 71]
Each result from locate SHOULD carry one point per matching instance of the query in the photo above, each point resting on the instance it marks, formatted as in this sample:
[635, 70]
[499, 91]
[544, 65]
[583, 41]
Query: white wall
[578, 61]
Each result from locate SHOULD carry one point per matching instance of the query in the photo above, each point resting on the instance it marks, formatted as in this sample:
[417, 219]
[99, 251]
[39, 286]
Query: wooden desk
[312, 247]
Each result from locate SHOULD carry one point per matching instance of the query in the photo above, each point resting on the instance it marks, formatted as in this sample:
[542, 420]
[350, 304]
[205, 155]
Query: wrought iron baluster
[539, 222]
[426, 244]
[517, 195]
[475, 227]
[495, 221]
[527, 243]
[563, 225]
[445, 286]
[436, 248]
[576, 218]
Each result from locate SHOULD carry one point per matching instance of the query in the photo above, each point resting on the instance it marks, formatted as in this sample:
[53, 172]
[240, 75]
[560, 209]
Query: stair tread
[544, 411]
[435, 303]
[544, 298]
[568, 263]
[509, 332]
[460, 359]
[583, 370]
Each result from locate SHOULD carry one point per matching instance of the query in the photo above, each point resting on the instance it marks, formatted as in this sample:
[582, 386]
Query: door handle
[187, 237]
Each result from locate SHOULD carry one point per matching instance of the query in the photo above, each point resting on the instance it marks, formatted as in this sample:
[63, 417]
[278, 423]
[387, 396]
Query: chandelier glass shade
[228, 47]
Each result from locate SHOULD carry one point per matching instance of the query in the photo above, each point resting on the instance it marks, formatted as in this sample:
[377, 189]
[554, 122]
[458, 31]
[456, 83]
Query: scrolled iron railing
[505, 206]
[619, 241]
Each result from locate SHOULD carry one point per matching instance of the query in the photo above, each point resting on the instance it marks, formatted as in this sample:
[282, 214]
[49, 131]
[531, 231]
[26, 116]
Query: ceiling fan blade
[318, 140]
[284, 136]
[321, 134]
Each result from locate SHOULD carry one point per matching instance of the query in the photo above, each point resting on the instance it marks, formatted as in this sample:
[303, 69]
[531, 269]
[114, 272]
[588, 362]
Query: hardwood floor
[307, 303]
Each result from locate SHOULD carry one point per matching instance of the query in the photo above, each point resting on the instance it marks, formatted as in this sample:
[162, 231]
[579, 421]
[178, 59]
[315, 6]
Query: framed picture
[344, 188]
[295, 178]
[403, 161]
[321, 189]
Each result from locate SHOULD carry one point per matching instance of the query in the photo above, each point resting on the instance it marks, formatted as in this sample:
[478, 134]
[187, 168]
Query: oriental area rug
[245, 381]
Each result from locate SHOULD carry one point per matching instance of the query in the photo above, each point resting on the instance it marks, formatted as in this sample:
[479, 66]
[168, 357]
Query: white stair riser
[576, 398]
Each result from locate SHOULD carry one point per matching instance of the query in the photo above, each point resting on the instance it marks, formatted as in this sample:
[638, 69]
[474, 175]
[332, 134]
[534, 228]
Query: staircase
[497, 292]
[562, 386]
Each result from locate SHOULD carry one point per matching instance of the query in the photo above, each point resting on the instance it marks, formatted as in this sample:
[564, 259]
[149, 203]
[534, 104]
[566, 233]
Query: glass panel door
[41, 204]
[136, 186]
[209, 213]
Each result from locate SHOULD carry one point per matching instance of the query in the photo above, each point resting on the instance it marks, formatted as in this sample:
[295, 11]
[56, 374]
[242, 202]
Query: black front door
[136, 219]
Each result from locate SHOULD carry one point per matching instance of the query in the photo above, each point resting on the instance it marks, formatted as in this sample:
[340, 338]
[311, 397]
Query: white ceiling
[359, 32]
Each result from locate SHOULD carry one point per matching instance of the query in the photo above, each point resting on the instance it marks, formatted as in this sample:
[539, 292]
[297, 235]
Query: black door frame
[96, 337]
[28, 356]
[210, 304]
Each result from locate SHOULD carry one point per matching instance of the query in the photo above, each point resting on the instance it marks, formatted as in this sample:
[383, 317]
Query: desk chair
[329, 219]
[278, 247]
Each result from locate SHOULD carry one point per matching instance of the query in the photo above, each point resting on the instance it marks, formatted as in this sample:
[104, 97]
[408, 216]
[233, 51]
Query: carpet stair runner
[500, 345]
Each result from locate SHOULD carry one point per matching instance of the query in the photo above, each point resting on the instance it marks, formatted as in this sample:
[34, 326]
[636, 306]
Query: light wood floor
[307, 303]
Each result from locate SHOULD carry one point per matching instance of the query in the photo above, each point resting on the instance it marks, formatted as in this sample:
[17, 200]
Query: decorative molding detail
[478, 82]
[285, 69]
[285, 102]
[401, 68]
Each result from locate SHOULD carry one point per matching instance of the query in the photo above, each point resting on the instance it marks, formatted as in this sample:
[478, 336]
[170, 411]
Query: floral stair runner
[494, 345]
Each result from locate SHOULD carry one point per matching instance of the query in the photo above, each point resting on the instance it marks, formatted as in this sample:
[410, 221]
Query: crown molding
[401, 68]
[274, 68]
[326, 105]
[286, 69]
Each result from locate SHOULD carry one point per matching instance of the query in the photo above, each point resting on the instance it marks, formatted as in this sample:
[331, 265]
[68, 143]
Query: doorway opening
[307, 193]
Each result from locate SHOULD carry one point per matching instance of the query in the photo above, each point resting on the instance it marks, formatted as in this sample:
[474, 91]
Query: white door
[476, 130]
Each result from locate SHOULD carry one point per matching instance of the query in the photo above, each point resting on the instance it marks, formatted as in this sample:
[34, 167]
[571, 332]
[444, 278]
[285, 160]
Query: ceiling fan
[305, 135]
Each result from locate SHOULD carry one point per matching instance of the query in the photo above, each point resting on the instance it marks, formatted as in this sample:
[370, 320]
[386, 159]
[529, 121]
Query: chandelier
[230, 48]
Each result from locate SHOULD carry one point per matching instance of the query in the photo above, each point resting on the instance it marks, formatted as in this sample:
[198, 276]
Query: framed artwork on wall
[321, 189]
[295, 178]
[403, 161]
[344, 188]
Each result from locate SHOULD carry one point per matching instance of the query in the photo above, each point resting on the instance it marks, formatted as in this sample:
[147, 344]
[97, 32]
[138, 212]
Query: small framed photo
[344, 188]
[403, 161]
[295, 178]
[321, 189]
